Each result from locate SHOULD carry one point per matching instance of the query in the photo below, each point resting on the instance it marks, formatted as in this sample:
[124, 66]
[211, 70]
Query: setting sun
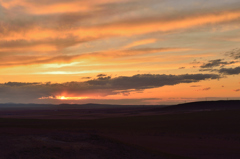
[70, 98]
[62, 97]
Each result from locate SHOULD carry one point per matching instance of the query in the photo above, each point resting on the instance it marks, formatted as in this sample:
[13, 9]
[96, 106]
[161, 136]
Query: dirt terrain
[206, 132]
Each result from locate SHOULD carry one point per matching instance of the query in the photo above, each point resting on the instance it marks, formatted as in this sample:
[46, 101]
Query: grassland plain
[197, 134]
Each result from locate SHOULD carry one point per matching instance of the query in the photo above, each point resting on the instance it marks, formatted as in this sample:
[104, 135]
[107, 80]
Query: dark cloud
[195, 86]
[103, 86]
[125, 93]
[209, 69]
[215, 63]
[230, 71]
[17, 84]
[181, 68]
[206, 89]
[86, 77]
[209, 66]
[145, 81]
[237, 90]
[225, 71]
[101, 75]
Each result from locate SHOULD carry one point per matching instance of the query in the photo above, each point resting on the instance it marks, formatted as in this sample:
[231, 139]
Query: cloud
[20, 84]
[206, 89]
[30, 31]
[195, 86]
[92, 21]
[230, 71]
[220, 63]
[86, 77]
[181, 68]
[141, 42]
[101, 75]
[58, 43]
[209, 69]
[159, 24]
[27, 20]
[55, 7]
[32, 59]
[235, 53]
[209, 66]
[215, 63]
[101, 86]
[237, 90]
[145, 81]
[225, 71]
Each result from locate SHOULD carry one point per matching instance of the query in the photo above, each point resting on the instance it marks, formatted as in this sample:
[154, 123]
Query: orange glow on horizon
[64, 98]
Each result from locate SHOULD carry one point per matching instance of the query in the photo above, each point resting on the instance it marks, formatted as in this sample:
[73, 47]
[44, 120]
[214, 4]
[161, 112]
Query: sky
[119, 51]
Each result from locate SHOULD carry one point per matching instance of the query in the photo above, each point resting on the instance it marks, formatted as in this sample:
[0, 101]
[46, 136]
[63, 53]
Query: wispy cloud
[19, 60]
[140, 42]
[206, 89]
[45, 26]
[235, 53]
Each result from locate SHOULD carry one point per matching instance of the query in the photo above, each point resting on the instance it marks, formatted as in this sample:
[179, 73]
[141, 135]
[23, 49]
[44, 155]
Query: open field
[145, 133]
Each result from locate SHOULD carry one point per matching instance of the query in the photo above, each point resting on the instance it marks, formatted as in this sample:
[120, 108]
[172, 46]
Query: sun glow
[70, 98]
[64, 98]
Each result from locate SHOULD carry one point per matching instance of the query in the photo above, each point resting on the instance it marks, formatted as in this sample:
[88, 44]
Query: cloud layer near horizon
[101, 86]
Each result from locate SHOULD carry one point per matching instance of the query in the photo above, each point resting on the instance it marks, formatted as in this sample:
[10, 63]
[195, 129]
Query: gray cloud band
[101, 86]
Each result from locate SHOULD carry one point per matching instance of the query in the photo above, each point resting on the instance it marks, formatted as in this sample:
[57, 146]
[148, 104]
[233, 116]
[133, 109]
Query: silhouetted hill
[205, 105]
[201, 105]
[102, 110]
[33, 106]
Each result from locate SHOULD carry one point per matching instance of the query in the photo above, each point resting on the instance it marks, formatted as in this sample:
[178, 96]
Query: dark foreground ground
[205, 130]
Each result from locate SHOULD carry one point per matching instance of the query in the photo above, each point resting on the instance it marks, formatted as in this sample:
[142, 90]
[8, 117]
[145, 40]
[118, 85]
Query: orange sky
[119, 51]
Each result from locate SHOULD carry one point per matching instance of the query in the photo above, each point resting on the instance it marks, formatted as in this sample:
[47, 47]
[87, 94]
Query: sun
[70, 98]
[62, 97]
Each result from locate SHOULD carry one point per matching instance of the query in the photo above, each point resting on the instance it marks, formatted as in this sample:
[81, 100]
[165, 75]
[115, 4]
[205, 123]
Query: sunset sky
[119, 51]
